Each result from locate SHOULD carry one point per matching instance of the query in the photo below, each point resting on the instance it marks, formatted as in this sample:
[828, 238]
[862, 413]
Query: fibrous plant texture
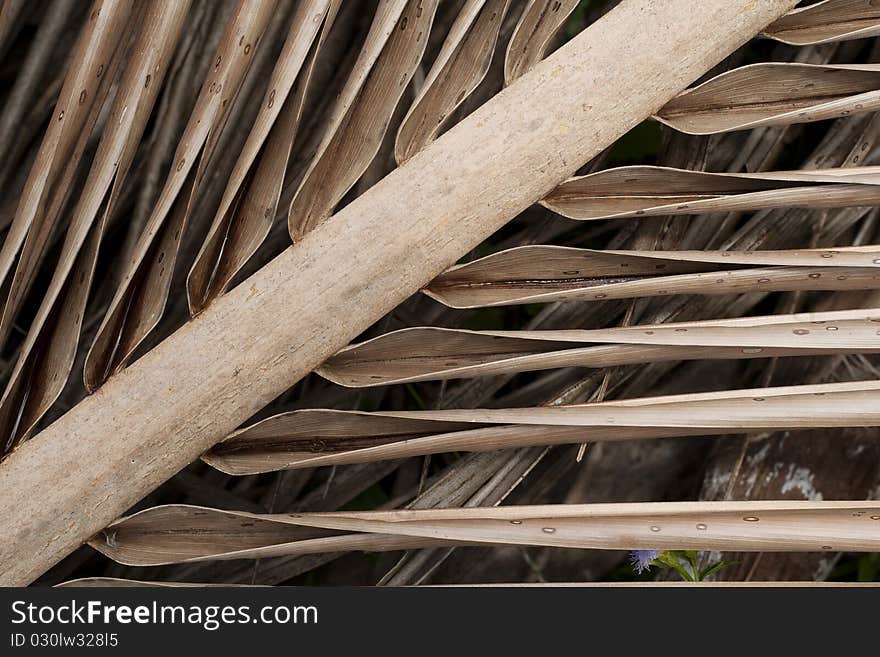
[608, 273]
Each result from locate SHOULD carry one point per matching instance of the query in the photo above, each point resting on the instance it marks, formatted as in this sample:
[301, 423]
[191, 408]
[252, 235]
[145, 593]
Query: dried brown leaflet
[774, 94]
[424, 354]
[539, 23]
[646, 191]
[47, 355]
[88, 80]
[542, 274]
[462, 63]
[310, 438]
[173, 534]
[354, 132]
[827, 21]
[250, 201]
[141, 297]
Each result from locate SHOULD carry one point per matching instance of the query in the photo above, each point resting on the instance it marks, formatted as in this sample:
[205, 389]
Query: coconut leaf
[462, 63]
[250, 201]
[46, 357]
[91, 73]
[96, 211]
[176, 534]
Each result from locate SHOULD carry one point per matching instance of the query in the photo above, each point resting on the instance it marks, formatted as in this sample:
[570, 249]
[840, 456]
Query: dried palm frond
[173, 534]
[312, 437]
[762, 95]
[422, 354]
[827, 21]
[140, 299]
[170, 152]
[537, 274]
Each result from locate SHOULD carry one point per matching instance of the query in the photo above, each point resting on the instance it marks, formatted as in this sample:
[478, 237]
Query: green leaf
[714, 568]
[672, 560]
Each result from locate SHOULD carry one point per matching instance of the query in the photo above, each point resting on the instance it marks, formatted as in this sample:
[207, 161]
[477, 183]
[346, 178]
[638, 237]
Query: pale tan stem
[161, 413]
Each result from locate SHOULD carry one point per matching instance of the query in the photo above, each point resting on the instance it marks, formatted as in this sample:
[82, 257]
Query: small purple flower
[641, 559]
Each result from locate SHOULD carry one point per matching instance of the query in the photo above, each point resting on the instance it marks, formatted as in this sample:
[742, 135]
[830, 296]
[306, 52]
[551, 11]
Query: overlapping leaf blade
[140, 299]
[310, 438]
[541, 274]
[360, 118]
[175, 534]
[826, 22]
[38, 216]
[422, 354]
[538, 24]
[773, 94]
[462, 63]
[250, 202]
[172, 534]
[46, 357]
[644, 191]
